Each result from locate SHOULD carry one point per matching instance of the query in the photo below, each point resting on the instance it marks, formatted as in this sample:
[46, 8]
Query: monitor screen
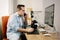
[49, 15]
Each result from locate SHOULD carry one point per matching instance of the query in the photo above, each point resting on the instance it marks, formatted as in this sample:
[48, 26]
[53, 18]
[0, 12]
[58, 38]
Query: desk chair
[4, 27]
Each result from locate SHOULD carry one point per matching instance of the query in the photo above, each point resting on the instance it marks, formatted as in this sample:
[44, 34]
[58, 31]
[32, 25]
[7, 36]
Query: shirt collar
[18, 14]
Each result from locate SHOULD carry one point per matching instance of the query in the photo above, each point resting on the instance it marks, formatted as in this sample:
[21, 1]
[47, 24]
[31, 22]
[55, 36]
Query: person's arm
[25, 30]
[15, 25]
[22, 30]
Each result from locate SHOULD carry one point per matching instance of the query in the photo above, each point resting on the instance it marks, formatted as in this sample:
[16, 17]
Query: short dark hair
[19, 6]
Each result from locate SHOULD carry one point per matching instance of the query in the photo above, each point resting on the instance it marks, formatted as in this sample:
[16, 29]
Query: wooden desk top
[40, 36]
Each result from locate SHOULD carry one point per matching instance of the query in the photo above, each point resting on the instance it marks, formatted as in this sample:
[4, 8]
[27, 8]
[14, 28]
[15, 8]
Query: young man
[15, 23]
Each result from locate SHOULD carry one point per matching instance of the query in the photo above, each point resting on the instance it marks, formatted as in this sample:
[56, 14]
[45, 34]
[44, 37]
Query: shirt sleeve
[13, 23]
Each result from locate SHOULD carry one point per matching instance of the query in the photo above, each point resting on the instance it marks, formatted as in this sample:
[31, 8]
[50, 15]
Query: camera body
[34, 24]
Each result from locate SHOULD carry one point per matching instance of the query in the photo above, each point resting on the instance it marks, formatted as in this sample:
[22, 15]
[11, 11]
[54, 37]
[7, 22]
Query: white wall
[56, 13]
[7, 7]
[47, 3]
[4, 9]
[4, 6]
[12, 6]
[36, 5]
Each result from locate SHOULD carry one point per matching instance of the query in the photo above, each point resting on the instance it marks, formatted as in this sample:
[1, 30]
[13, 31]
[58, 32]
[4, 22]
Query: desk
[53, 36]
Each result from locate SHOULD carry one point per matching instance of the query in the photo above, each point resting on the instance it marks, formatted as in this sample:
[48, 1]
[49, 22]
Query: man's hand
[30, 30]
[26, 30]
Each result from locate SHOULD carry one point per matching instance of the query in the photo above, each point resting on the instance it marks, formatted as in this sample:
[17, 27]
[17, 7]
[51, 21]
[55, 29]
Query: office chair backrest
[4, 26]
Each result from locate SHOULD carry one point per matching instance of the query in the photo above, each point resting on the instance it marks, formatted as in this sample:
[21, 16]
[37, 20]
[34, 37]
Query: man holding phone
[15, 23]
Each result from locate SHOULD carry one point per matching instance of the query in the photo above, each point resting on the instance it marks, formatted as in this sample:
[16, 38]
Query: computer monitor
[49, 15]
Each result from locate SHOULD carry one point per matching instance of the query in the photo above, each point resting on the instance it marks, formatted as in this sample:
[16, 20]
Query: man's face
[22, 11]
